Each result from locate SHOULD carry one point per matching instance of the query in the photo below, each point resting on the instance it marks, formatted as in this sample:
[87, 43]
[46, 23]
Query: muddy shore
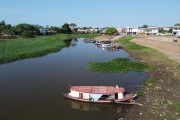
[161, 100]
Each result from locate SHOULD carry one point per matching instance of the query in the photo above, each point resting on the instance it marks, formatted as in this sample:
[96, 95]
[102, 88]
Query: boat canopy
[98, 89]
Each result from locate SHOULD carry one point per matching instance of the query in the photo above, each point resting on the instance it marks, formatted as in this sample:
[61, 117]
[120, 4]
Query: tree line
[29, 30]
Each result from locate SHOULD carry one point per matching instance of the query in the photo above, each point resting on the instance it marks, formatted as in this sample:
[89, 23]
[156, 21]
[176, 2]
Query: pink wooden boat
[99, 94]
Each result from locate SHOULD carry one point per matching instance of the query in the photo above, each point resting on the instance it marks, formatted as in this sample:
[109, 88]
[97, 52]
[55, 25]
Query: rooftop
[98, 89]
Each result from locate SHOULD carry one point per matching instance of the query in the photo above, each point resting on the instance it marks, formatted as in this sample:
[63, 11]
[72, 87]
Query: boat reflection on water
[115, 108]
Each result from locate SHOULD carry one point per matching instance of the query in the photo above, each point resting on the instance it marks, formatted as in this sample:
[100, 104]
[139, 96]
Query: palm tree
[73, 27]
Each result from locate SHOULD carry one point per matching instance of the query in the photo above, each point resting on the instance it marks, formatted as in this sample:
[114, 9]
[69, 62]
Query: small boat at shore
[99, 94]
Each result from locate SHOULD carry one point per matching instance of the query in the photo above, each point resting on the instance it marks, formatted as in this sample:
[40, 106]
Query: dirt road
[162, 44]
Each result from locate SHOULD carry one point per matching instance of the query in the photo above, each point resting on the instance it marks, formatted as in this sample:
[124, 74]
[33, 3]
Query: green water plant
[119, 65]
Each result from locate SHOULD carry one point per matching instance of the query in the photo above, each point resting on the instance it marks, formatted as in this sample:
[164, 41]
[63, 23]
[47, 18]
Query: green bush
[27, 34]
[111, 30]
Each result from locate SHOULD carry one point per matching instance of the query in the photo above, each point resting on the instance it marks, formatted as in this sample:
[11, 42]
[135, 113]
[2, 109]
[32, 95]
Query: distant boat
[90, 41]
[99, 94]
[104, 44]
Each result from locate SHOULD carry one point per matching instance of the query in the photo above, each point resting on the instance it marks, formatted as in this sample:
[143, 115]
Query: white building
[44, 31]
[131, 30]
[91, 30]
[176, 30]
[152, 30]
[82, 31]
[120, 30]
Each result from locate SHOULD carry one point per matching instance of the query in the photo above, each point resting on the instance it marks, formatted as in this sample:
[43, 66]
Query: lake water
[32, 89]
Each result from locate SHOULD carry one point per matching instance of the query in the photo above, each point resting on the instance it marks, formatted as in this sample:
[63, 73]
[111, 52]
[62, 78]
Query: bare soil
[162, 44]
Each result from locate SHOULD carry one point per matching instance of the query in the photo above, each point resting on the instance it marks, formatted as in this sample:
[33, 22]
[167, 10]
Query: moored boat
[99, 94]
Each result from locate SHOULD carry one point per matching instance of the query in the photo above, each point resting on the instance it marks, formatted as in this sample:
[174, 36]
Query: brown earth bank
[161, 100]
[162, 44]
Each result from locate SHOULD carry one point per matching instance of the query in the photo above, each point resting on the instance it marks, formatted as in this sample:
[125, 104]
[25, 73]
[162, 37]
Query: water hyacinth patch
[120, 65]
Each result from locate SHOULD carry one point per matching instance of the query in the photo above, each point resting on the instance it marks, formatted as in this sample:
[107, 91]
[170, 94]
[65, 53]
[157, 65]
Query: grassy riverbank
[21, 48]
[161, 93]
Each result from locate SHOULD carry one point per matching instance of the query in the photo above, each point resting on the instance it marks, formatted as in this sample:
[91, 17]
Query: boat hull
[127, 98]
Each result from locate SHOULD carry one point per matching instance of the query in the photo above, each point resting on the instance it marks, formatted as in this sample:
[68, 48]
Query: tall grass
[20, 48]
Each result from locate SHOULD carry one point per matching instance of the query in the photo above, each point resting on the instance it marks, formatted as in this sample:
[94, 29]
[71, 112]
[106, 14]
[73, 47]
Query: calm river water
[32, 89]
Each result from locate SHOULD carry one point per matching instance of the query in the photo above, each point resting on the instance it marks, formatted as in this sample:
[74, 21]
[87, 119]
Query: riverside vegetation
[121, 65]
[161, 92]
[21, 48]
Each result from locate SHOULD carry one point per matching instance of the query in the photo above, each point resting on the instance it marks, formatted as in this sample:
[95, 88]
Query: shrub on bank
[27, 34]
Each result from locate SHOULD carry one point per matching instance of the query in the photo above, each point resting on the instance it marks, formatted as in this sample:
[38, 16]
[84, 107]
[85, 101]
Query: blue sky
[94, 13]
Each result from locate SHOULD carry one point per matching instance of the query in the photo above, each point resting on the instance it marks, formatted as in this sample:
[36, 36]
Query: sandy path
[162, 44]
[107, 37]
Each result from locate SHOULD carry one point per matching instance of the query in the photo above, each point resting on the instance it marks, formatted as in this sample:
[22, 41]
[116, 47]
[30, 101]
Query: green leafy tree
[84, 28]
[5, 28]
[170, 30]
[177, 24]
[145, 26]
[54, 28]
[36, 29]
[66, 27]
[62, 30]
[161, 30]
[2, 23]
[2, 26]
[25, 30]
[111, 30]
[27, 34]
